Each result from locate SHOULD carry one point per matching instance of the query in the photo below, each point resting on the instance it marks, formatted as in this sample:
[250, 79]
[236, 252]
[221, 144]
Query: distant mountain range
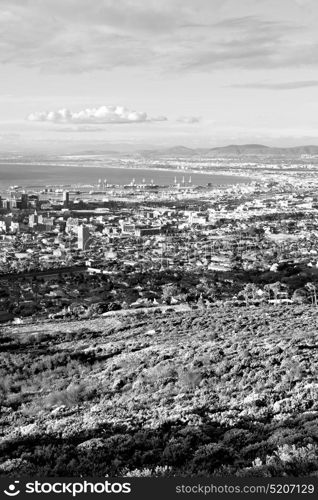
[233, 150]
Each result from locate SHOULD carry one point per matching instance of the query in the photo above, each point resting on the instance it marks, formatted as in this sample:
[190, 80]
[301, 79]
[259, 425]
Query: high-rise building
[24, 203]
[6, 204]
[83, 238]
[13, 203]
[66, 199]
[33, 219]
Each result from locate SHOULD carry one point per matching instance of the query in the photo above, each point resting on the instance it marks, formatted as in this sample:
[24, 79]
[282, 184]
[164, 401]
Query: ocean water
[28, 175]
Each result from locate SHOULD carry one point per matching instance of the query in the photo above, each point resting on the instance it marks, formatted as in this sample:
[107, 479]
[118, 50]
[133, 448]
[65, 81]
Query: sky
[109, 74]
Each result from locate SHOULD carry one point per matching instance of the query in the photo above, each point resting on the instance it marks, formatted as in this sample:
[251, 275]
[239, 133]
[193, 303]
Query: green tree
[169, 291]
[313, 293]
[300, 296]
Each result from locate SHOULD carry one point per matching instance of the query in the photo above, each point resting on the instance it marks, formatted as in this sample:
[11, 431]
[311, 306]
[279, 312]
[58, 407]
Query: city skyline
[131, 74]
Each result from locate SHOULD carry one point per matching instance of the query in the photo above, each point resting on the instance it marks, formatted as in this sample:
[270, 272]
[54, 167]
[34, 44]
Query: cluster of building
[111, 230]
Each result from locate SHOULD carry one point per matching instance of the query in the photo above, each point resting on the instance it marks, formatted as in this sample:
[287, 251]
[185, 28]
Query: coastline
[41, 170]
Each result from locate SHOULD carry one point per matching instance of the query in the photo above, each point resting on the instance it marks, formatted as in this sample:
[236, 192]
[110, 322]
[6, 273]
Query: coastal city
[159, 248]
[83, 250]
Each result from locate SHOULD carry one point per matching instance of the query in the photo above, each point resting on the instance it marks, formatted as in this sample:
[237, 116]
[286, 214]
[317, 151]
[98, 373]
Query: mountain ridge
[234, 149]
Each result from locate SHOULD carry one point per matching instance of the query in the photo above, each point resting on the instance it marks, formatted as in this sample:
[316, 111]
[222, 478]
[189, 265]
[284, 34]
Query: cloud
[247, 42]
[77, 36]
[188, 119]
[79, 128]
[159, 118]
[103, 114]
[250, 42]
[277, 86]
[128, 15]
[303, 3]
[10, 137]
[80, 36]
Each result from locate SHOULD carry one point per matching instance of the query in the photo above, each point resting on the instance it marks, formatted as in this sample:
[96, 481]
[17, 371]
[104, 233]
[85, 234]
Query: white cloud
[75, 36]
[103, 114]
[188, 119]
[159, 118]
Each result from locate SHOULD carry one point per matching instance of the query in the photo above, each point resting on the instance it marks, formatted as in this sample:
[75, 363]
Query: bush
[189, 379]
[73, 395]
[158, 471]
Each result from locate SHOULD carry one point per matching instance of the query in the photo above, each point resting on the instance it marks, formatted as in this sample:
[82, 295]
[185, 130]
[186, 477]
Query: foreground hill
[223, 391]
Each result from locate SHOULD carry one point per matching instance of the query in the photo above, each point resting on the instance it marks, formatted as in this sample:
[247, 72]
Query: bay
[27, 175]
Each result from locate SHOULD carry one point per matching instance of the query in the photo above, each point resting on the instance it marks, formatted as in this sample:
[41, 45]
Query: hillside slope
[223, 391]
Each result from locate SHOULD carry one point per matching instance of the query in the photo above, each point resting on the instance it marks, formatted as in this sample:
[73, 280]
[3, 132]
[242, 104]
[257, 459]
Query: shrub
[158, 471]
[73, 395]
[189, 379]
[210, 456]
[290, 453]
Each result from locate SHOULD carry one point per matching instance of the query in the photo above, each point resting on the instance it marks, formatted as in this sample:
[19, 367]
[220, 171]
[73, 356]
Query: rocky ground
[223, 391]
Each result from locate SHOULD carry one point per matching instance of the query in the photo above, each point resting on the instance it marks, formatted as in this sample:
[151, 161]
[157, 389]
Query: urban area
[79, 251]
